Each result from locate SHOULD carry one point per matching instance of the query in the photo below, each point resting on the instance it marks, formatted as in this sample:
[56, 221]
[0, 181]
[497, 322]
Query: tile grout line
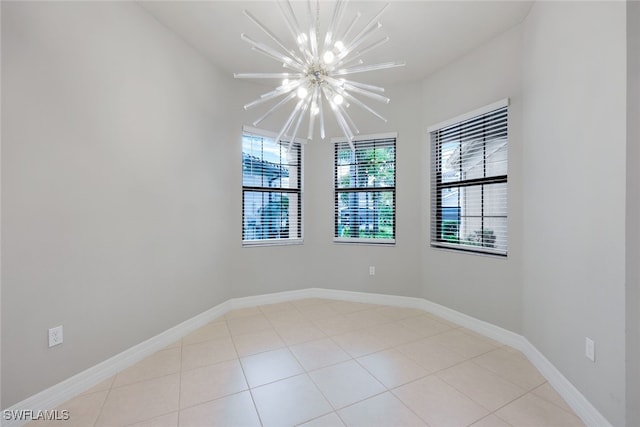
[249, 389]
[105, 400]
[528, 390]
[548, 400]
[390, 390]
[180, 380]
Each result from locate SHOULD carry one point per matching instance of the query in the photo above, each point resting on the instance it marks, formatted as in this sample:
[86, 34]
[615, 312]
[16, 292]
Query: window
[271, 190]
[365, 190]
[469, 181]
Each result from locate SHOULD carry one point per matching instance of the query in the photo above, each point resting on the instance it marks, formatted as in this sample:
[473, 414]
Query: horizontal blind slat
[469, 184]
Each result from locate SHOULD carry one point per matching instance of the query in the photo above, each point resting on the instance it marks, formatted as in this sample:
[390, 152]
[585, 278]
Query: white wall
[320, 262]
[115, 158]
[633, 214]
[487, 288]
[574, 100]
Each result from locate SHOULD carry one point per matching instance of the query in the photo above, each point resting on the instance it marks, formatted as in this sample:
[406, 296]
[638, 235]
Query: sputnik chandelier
[316, 69]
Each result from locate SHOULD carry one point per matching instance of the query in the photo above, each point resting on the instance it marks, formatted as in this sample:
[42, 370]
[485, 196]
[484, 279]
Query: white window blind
[469, 182]
[271, 190]
[365, 190]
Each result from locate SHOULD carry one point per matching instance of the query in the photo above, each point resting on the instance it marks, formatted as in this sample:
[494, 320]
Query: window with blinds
[365, 190]
[271, 190]
[469, 181]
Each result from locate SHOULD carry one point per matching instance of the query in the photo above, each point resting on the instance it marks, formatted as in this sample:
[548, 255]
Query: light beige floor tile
[319, 353]
[381, 410]
[270, 366]
[102, 386]
[208, 353]
[481, 385]
[439, 404]
[488, 340]
[242, 312]
[367, 318]
[211, 382]
[329, 420]
[140, 401]
[81, 411]
[490, 421]
[277, 307]
[318, 311]
[174, 344]
[512, 366]
[307, 302]
[398, 313]
[346, 383]
[168, 420]
[424, 325]
[248, 324]
[337, 324]
[236, 410]
[392, 368]
[287, 317]
[451, 325]
[533, 411]
[289, 402]
[431, 356]
[297, 333]
[547, 392]
[464, 344]
[359, 343]
[257, 342]
[159, 364]
[344, 307]
[402, 346]
[393, 334]
[211, 331]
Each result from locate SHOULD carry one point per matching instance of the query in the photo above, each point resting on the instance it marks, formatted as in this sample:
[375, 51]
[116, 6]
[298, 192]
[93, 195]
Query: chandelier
[317, 69]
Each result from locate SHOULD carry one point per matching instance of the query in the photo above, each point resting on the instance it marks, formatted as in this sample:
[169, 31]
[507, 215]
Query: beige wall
[574, 92]
[320, 262]
[633, 215]
[488, 288]
[115, 158]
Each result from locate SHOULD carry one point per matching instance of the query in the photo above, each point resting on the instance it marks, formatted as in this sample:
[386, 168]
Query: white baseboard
[71, 387]
[576, 400]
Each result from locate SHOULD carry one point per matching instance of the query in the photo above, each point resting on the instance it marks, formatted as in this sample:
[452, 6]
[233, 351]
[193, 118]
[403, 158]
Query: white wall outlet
[372, 270]
[55, 336]
[590, 349]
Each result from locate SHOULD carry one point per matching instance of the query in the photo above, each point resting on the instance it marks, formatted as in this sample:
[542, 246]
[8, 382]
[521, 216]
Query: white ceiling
[425, 34]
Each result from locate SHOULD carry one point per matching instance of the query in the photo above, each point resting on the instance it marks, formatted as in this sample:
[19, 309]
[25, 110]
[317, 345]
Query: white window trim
[471, 114]
[271, 242]
[269, 134]
[458, 248]
[277, 242]
[341, 139]
[364, 241]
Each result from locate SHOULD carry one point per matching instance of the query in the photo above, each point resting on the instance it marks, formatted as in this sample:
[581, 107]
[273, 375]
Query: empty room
[320, 213]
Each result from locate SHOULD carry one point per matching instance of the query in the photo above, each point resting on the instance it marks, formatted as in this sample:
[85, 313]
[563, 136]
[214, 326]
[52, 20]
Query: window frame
[300, 143]
[438, 184]
[363, 139]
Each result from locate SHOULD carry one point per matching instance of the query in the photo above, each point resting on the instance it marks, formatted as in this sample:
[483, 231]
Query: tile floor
[317, 362]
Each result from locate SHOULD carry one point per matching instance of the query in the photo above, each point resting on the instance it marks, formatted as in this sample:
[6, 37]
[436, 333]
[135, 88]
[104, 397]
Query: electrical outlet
[55, 336]
[372, 270]
[590, 349]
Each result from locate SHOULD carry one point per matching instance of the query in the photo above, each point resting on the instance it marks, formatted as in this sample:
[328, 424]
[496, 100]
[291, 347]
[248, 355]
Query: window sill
[378, 242]
[271, 242]
[470, 250]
